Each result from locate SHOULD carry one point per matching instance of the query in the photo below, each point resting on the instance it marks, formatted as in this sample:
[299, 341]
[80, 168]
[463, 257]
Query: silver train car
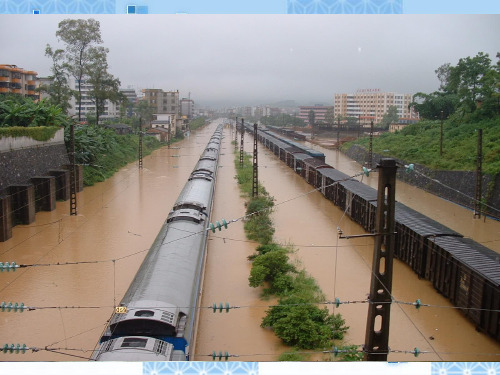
[155, 319]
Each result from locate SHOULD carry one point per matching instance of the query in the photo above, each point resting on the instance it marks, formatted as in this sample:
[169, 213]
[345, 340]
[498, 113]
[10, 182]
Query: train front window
[134, 342]
[144, 313]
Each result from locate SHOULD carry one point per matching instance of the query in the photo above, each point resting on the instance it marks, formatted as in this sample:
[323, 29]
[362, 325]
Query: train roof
[301, 156]
[364, 191]
[333, 174]
[304, 149]
[473, 255]
[420, 223]
[316, 163]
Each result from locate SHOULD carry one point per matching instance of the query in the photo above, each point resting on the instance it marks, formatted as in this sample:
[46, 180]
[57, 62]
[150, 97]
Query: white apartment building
[372, 103]
[111, 110]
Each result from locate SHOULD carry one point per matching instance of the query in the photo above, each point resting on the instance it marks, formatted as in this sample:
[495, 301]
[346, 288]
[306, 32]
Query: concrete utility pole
[255, 178]
[72, 173]
[376, 345]
[140, 142]
[479, 175]
[241, 144]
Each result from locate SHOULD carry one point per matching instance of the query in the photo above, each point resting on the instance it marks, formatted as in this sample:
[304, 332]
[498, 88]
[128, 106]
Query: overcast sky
[259, 59]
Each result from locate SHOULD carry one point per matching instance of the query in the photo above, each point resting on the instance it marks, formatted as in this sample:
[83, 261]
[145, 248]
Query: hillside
[419, 143]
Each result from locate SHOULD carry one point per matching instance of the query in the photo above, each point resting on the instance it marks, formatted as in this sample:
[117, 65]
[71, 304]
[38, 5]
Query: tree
[104, 85]
[59, 90]
[144, 110]
[311, 116]
[79, 36]
[390, 117]
[430, 106]
[472, 80]
[330, 117]
[443, 74]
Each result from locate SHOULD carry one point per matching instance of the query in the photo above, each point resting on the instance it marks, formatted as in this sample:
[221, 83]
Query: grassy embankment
[420, 143]
[103, 152]
[298, 320]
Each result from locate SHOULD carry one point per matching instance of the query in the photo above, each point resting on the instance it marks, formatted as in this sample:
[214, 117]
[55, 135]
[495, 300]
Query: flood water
[119, 219]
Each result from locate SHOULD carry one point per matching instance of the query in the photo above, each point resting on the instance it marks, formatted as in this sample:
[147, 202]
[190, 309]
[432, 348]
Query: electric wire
[335, 351]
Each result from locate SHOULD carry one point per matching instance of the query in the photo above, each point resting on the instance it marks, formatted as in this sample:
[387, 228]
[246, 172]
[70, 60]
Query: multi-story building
[131, 95]
[111, 110]
[16, 80]
[187, 108]
[162, 101]
[319, 113]
[373, 104]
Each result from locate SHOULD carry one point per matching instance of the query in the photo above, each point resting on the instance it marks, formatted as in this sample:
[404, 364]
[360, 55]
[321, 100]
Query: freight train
[155, 320]
[462, 270]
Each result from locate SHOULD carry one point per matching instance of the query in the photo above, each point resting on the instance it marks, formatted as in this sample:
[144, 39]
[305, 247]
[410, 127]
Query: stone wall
[456, 186]
[23, 158]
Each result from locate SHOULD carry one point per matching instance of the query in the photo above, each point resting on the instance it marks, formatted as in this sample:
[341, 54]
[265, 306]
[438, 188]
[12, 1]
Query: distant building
[187, 108]
[131, 95]
[111, 110]
[44, 81]
[162, 101]
[16, 80]
[401, 124]
[120, 129]
[372, 103]
[319, 113]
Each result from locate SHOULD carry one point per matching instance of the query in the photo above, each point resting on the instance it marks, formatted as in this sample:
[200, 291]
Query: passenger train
[462, 270]
[155, 320]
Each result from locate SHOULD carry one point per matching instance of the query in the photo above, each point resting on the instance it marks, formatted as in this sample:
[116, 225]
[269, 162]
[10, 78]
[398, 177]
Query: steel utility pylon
[479, 175]
[241, 144]
[236, 134]
[255, 178]
[72, 173]
[140, 142]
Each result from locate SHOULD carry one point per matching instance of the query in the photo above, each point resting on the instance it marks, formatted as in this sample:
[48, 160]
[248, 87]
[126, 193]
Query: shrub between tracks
[297, 319]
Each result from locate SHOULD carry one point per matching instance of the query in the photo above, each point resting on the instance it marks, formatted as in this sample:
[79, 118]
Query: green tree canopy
[78, 36]
[472, 86]
[58, 90]
[104, 85]
[390, 117]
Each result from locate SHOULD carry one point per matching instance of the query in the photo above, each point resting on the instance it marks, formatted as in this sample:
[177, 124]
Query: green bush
[299, 323]
[41, 133]
[291, 356]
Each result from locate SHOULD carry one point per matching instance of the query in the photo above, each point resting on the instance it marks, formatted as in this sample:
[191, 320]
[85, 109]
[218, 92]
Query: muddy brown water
[119, 219]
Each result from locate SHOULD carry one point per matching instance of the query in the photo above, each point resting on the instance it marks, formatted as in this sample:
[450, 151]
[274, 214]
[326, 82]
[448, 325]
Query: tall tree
[59, 90]
[79, 36]
[330, 117]
[311, 117]
[390, 117]
[144, 110]
[104, 85]
[471, 77]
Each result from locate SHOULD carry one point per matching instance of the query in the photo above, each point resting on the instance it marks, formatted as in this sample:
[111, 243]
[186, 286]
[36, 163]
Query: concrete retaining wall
[23, 158]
